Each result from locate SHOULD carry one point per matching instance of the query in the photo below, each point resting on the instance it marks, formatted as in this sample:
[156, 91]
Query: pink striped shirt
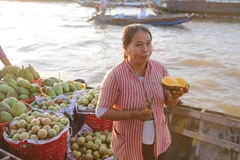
[122, 89]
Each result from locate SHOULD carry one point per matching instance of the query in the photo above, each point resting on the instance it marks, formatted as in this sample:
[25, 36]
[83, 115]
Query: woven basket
[97, 124]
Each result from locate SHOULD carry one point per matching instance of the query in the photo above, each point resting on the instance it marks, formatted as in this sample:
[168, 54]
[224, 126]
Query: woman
[131, 96]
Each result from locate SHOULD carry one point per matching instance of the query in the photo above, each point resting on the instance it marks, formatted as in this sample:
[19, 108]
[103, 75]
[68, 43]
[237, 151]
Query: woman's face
[140, 48]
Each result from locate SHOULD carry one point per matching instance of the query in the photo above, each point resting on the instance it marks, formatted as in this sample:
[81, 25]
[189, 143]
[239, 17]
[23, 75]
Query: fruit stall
[49, 118]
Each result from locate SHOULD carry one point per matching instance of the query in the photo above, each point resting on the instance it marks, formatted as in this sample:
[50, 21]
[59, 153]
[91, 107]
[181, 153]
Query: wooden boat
[156, 20]
[208, 8]
[87, 3]
[203, 134]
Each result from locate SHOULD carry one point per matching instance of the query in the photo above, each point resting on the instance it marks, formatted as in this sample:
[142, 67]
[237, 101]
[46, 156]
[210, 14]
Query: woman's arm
[6, 62]
[4, 58]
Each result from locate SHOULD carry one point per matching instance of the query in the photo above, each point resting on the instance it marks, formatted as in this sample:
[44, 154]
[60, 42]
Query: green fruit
[16, 136]
[103, 150]
[33, 72]
[85, 101]
[55, 79]
[80, 101]
[50, 92]
[21, 82]
[77, 86]
[58, 88]
[34, 88]
[5, 88]
[32, 95]
[12, 83]
[23, 97]
[22, 90]
[10, 69]
[72, 87]
[12, 93]
[10, 101]
[48, 82]
[5, 107]
[18, 108]
[5, 116]
[52, 133]
[89, 97]
[24, 73]
[65, 87]
[2, 96]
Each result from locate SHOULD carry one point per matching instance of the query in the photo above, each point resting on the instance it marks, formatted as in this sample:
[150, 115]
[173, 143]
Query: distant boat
[155, 20]
[200, 7]
[88, 3]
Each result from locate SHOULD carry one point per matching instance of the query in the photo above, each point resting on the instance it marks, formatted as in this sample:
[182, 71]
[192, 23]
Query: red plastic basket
[97, 124]
[2, 128]
[55, 150]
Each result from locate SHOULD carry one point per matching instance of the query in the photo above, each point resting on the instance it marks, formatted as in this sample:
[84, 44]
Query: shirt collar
[130, 67]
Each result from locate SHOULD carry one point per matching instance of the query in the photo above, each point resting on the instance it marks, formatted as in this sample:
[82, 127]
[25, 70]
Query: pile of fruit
[16, 83]
[28, 73]
[10, 107]
[89, 98]
[36, 126]
[37, 121]
[92, 145]
[52, 86]
[50, 103]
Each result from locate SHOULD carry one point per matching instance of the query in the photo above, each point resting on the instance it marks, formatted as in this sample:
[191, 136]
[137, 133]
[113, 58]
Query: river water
[56, 39]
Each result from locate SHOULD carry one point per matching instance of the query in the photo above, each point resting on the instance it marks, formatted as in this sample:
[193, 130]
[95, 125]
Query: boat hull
[165, 20]
[111, 4]
[199, 7]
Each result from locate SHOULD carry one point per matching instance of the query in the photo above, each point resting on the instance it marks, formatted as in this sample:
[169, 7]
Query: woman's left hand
[176, 94]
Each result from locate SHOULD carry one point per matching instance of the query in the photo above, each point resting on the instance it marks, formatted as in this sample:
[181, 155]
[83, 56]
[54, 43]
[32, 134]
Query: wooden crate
[200, 134]
[4, 155]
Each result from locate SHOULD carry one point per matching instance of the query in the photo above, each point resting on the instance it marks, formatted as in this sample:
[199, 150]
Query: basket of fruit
[10, 108]
[91, 144]
[38, 136]
[57, 104]
[87, 99]
[86, 103]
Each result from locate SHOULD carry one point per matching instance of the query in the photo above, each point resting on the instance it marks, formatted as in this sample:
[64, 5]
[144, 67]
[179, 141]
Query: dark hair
[129, 32]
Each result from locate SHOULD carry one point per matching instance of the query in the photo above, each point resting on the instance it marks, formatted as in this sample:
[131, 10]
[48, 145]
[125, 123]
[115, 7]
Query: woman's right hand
[142, 113]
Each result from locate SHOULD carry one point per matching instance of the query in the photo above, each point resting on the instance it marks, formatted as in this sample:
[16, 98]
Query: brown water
[56, 39]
